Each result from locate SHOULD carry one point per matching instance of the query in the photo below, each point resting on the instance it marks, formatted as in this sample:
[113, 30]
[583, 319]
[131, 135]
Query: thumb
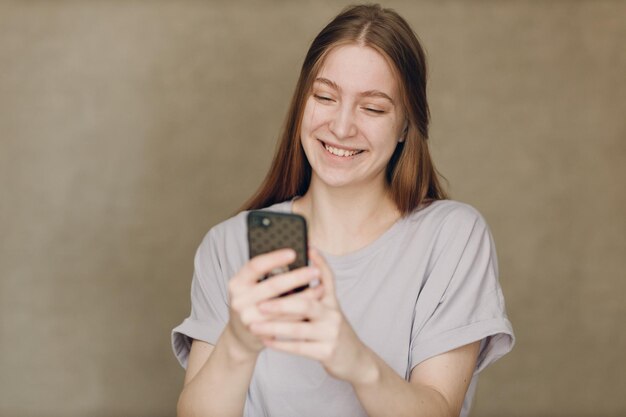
[326, 274]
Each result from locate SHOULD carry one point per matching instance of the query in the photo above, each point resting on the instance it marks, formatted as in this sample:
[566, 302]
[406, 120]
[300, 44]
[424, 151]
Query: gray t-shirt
[427, 285]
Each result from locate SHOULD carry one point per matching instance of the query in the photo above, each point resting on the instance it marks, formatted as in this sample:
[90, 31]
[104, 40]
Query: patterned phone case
[269, 231]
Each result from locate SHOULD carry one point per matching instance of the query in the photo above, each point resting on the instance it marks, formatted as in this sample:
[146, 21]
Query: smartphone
[269, 231]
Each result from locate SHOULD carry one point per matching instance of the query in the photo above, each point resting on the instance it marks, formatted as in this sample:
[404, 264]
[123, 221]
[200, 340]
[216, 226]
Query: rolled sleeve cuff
[187, 331]
[497, 333]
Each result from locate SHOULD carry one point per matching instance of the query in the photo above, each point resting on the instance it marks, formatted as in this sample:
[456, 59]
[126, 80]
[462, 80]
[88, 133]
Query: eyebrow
[368, 93]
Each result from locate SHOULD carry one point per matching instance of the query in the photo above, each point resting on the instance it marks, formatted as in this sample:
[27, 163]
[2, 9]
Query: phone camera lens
[266, 222]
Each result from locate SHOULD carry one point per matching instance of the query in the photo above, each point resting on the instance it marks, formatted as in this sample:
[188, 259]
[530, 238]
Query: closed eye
[376, 111]
[322, 98]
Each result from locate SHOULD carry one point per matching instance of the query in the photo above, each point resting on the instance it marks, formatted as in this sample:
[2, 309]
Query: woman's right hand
[246, 292]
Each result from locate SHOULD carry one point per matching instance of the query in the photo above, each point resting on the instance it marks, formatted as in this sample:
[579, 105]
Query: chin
[341, 180]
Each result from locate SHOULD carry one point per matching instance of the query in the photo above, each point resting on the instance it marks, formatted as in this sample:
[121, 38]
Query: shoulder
[447, 213]
[446, 224]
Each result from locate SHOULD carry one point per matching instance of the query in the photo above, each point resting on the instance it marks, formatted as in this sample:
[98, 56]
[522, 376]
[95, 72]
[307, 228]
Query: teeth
[340, 152]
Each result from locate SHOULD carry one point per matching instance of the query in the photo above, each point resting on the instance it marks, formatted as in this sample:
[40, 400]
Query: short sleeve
[209, 300]
[461, 301]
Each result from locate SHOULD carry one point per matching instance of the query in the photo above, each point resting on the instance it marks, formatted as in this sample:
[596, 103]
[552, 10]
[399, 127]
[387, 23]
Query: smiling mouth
[341, 152]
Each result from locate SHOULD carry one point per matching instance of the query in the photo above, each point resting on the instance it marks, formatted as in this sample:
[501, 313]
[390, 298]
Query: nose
[342, 123]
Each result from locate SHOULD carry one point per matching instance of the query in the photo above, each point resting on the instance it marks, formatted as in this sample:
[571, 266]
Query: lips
[341, 152]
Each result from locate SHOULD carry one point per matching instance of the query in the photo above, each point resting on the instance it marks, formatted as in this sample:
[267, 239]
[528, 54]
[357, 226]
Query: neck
[342, 220]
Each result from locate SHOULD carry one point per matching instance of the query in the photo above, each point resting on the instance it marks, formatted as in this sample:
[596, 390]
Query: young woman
[409, 309]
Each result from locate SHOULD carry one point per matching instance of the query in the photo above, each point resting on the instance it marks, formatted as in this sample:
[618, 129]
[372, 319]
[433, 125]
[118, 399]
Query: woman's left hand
[325, 336]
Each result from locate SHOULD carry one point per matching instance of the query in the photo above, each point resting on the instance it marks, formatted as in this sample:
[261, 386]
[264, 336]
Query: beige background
[128, 128]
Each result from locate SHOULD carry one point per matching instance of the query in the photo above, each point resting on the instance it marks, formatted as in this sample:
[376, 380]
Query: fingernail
[315, 283]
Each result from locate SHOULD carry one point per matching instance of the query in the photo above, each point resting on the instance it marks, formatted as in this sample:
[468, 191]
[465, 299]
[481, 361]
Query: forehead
[356, 68]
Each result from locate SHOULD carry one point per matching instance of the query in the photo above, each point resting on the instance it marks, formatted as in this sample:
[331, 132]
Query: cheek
[385, 134]
[314, 116]
[308, 125]
[307, 116]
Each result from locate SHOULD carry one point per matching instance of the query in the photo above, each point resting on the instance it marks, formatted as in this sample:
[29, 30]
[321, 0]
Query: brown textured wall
[128, 128]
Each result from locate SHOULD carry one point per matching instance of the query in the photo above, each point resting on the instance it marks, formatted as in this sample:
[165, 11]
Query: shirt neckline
[348, 259]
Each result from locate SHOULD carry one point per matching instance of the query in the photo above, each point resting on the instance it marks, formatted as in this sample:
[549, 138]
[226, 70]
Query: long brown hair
[411, 175]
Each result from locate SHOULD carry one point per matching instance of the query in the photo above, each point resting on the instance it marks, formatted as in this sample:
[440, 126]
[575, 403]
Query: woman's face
[352, 119]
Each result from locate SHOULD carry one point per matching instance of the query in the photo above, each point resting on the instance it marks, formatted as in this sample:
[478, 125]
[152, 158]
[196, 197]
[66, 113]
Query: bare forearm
[220, 386]
[383, 392]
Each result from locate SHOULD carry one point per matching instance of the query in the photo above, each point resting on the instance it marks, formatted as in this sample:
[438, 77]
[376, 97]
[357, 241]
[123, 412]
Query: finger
[300, 330]
[316, 350]
[303, 306]
[326, 275]
[284, 317]
[279, 284]
[311, 293]
[280, 313]
[261, 265]
[252, 315]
